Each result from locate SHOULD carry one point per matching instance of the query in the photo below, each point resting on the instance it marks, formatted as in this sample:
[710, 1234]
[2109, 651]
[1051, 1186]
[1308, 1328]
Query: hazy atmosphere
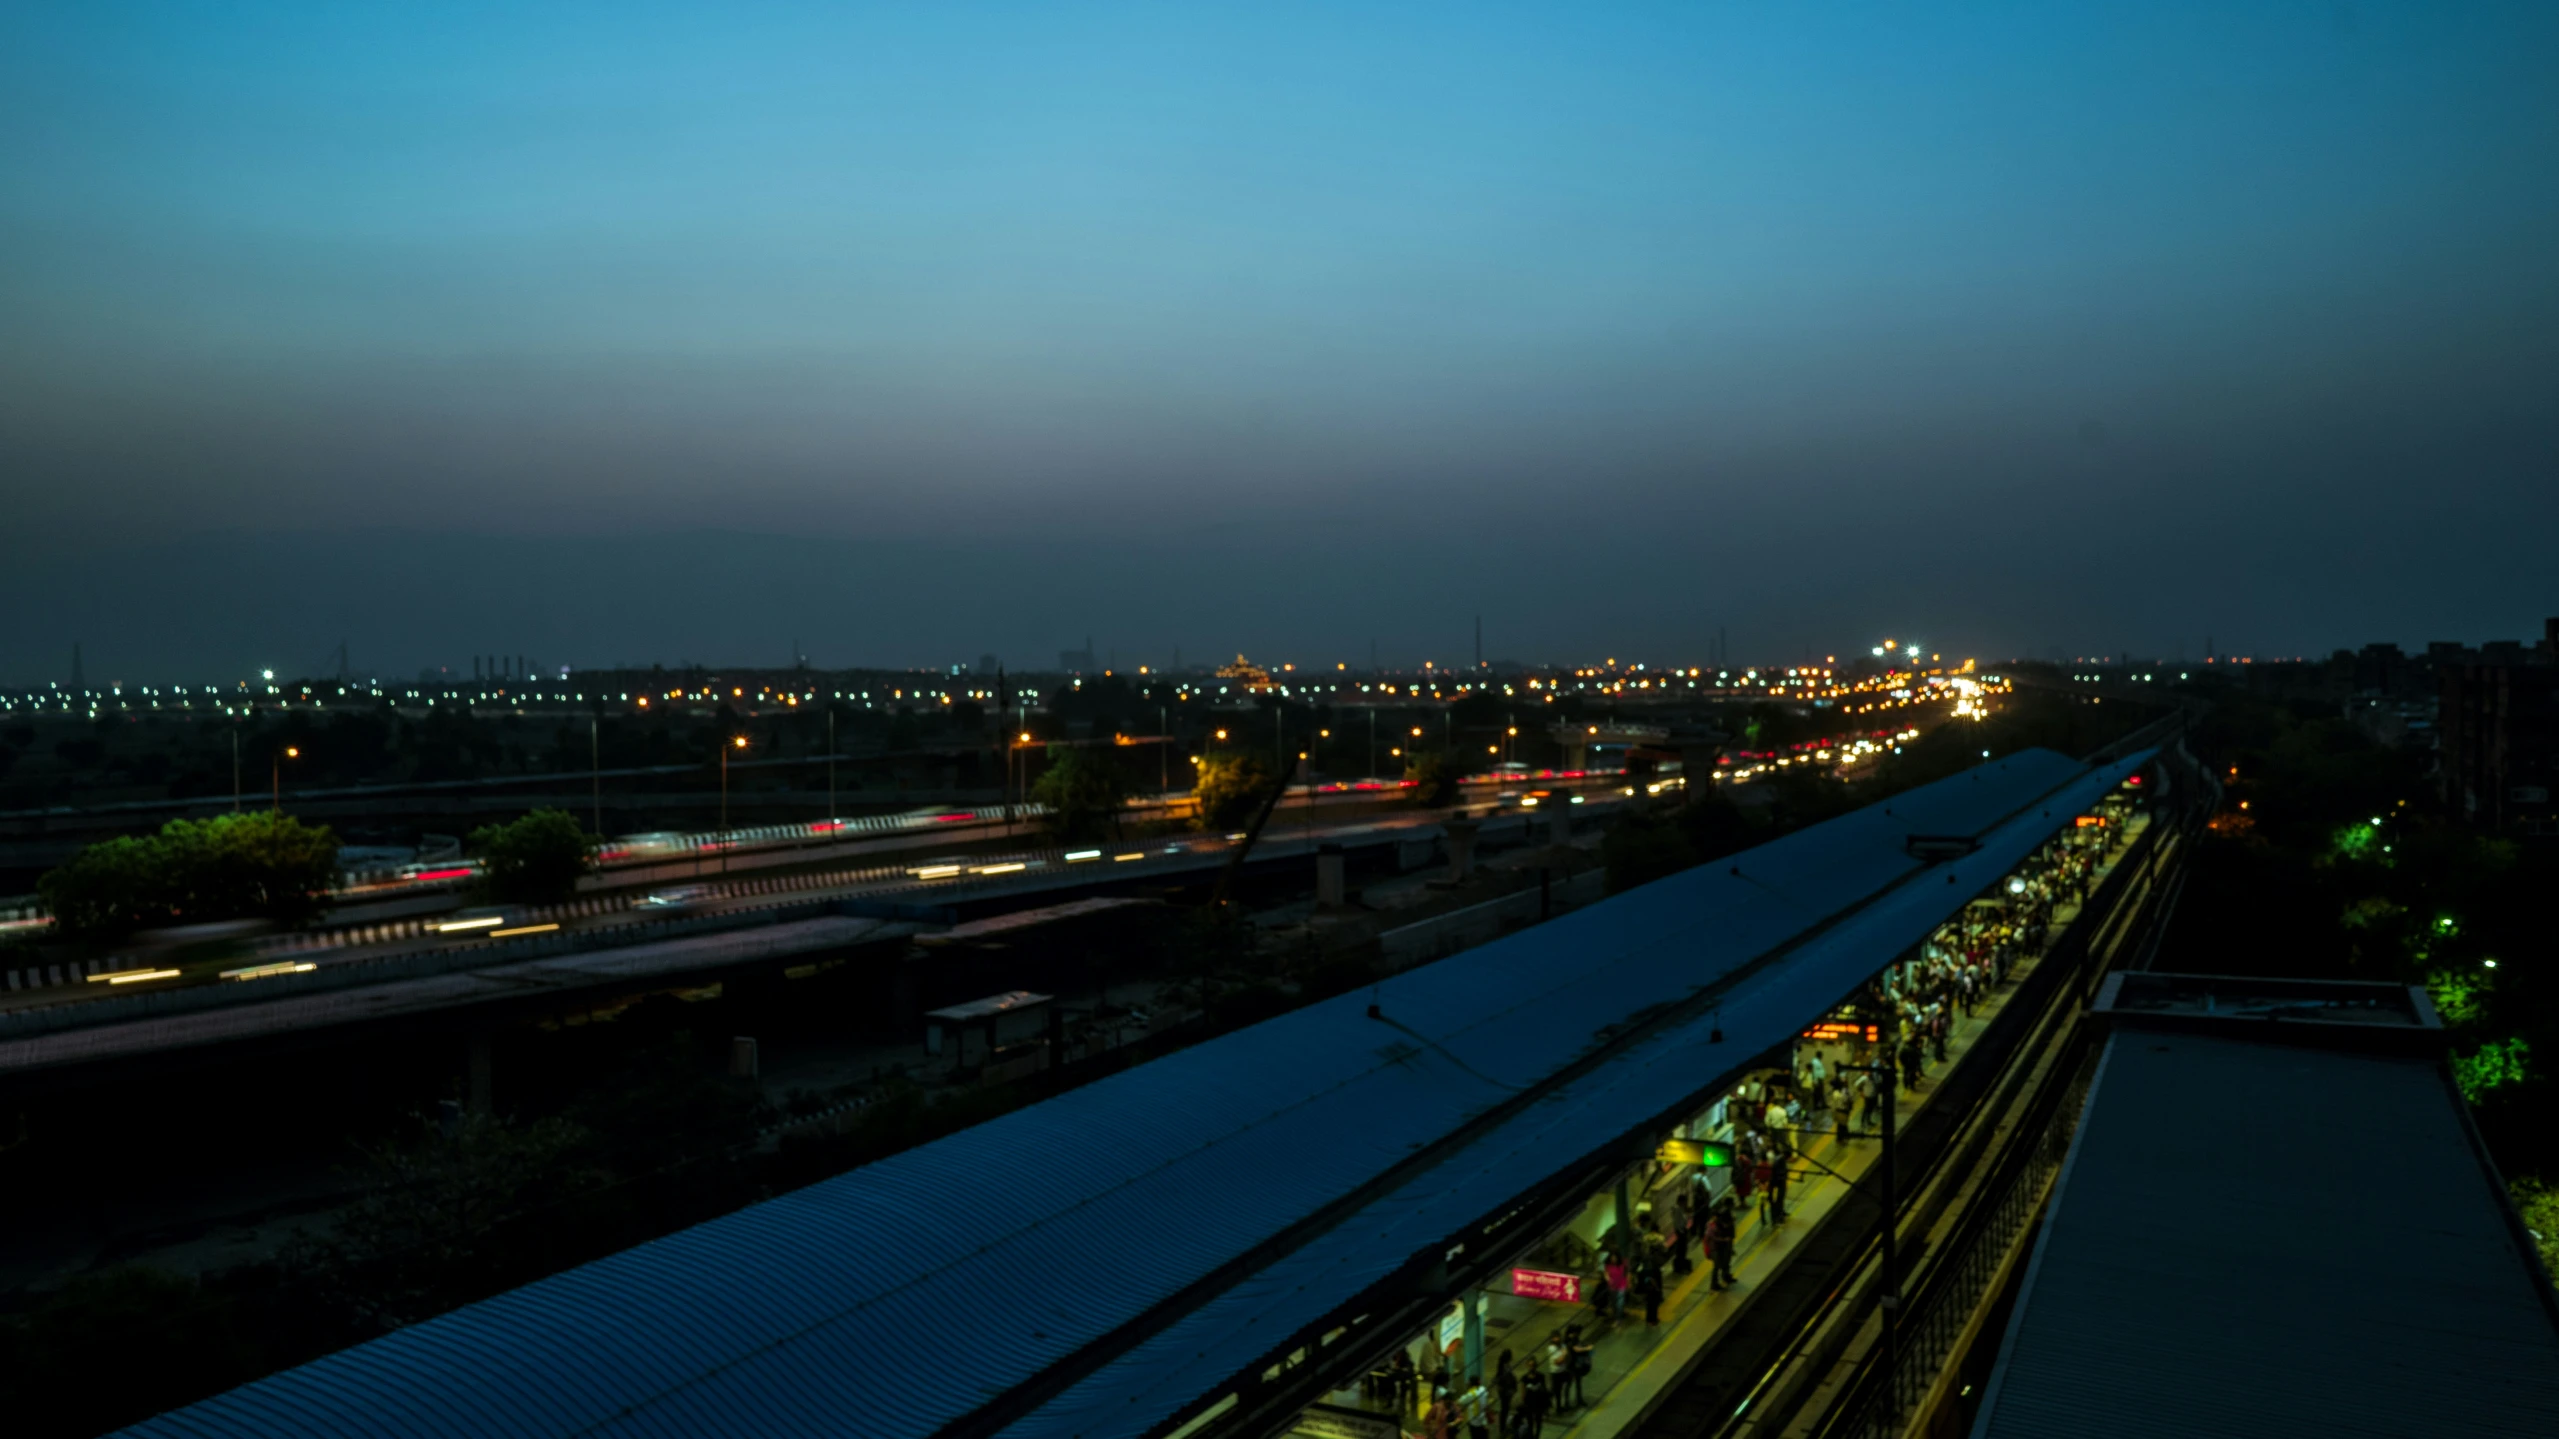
[605, 333]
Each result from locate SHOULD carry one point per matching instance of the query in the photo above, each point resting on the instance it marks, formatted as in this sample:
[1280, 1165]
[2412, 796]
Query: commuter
[1777, 1180]
[1840, 1102]
[1719, 1247]
[1910, 1063]
[1866, 1089]
[1505, 1392]
[1400, 1381]
[1581, 1348]
[1435, 1419]
[1648, 1288]
[1762, 1173]
[1475, 1407]
[1560, 1394]
[1531, 1417]
[1618, 1279]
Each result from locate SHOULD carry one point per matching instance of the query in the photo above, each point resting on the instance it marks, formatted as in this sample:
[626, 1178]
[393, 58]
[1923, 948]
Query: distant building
[1252, 676]
[1076, 662]
[2498, 719]
[986, 664]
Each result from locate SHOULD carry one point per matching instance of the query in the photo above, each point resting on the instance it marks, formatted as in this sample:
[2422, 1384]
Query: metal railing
[1960, 1281]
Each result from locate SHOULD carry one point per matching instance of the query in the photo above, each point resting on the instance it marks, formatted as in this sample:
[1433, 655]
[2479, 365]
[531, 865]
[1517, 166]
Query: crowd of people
[1901, 1022]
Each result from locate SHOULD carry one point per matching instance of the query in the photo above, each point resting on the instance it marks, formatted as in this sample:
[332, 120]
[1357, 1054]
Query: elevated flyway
[1164, 1241]
[426, 976]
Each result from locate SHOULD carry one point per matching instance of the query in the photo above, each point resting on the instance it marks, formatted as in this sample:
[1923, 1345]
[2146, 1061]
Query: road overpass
[1227, 1240]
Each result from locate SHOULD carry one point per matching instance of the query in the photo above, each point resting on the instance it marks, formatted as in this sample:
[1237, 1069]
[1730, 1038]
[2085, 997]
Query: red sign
[1841, 1029]
[1546, 1284]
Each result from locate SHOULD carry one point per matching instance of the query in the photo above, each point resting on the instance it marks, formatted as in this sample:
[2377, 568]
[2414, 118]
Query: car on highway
[670, 903]
[479, 922]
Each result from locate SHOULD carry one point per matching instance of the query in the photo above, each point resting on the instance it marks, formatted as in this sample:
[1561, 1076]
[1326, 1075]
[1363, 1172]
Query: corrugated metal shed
[1129, 1251]
[2272, 1239]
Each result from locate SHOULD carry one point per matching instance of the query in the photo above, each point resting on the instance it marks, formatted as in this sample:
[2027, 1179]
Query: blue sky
[1277, 327]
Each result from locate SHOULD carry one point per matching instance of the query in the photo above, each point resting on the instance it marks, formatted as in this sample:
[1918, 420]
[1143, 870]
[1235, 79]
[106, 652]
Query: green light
[1714, 1154]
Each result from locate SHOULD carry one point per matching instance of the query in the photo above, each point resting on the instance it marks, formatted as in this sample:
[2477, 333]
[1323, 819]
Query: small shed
[952, 1026]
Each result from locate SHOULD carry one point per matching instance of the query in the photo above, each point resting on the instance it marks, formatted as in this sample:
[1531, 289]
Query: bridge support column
[1625, 1222]
[1328, 876]
[480, 1066]
[1461, 848]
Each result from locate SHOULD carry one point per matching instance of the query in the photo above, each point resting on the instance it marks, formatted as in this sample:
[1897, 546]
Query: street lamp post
[288, 752]
[735, 742]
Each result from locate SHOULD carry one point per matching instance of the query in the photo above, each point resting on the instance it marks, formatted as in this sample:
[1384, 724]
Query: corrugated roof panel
[856, 1300]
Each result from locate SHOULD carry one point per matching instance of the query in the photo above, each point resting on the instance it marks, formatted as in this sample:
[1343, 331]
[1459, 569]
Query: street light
[290, 752]
[735, 742]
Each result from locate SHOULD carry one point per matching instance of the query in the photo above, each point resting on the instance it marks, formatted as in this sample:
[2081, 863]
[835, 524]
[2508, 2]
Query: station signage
[1705, 1153]
[1838, 1029]
[1546, 1284]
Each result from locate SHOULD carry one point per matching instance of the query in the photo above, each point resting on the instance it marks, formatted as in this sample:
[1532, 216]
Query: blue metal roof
[869, 1302]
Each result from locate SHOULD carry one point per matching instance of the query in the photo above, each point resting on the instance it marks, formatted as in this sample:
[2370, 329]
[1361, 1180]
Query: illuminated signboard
[1705, 1153]
[1835, 1029]
[1546, 1284]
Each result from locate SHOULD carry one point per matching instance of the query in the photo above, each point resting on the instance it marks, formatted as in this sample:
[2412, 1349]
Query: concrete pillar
[1625, 1240]
[480, 1058]
[1473, 1299]
[742, 1058]
[1461, 847]
[1328, 876]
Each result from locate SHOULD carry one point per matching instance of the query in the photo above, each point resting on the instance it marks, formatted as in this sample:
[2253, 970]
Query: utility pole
[1891, 1239]
[830, 755]
[595, 768]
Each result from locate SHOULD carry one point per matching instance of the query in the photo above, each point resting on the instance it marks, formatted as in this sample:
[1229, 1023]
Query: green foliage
[2492, 1066]
[2360, 841]
[2538, 1203]
[1434, 776]
[235, 866]
[1084, 791]
[2459, 998]
[1230, 788]
[536, 859]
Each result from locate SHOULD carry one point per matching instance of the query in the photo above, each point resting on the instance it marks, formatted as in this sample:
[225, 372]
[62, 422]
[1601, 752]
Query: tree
[1084, 792]
[533, 860]
[1230, 788]
[1434, 776]
[194, 871]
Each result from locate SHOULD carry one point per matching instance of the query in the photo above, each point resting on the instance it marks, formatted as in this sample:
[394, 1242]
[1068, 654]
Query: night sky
[653, 332]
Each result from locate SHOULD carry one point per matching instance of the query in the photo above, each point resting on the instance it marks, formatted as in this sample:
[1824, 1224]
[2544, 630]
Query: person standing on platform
[1532, 1402]
[1648, 1287]
[1618, 1280]
[1841, 1104]
[1719, 1246]
[1505, 1392]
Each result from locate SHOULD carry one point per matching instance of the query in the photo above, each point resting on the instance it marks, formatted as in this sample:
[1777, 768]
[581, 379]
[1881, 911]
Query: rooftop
[2270, 1224]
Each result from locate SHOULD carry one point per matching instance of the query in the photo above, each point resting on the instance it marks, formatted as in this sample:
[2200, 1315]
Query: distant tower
[78, 682]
